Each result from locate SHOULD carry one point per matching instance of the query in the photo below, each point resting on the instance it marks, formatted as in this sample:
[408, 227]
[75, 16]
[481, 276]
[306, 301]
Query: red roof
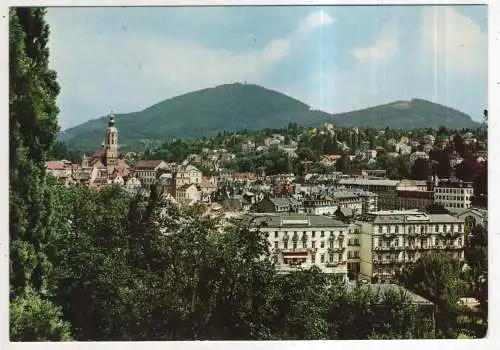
[147, 164]
[55, 165]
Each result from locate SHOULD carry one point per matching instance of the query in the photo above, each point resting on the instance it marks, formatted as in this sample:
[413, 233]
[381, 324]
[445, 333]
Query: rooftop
[387, 288]
[293, 220]
[368, 182]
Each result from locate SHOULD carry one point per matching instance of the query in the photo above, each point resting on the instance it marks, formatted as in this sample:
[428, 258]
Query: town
[252, 185]
[356, 226]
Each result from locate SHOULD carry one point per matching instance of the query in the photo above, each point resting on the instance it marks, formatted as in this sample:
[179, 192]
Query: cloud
[127, 71]
[385, 46]
[453, 40]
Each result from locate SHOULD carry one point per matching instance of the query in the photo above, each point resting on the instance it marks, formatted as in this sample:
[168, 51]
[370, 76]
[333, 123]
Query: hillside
[416, 113]
[243, 106]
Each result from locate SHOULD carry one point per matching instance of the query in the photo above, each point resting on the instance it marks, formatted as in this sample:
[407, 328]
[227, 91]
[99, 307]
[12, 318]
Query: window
[275, 234]
[331, 257]
[322, 258]
[460, 242]
[313, 258]
[322, 244]
[436, 228]
[322, 233]
[379, 271]
[331, 244]
[396, 229]
[276, 244]
[304, 244]
[313, 244]
[313, 234]
[380, 243]
[285, 245]
[396, 242]
[380, 229]
[294, 245]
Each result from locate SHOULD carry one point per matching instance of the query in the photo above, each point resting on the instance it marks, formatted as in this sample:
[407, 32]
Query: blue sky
[334, 58]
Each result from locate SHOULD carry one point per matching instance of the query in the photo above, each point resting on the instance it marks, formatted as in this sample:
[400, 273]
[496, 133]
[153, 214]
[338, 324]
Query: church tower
[111, 143]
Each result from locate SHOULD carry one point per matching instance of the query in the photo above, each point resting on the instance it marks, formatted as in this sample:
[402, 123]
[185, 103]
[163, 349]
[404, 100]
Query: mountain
[237, 106]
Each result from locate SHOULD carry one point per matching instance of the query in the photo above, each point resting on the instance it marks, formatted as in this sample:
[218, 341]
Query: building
[414, 199]
[187, 194]
[418, 155]
[62, 170]
[147, 171]
[454, 194]
[301, 241]
[473, 217]
[390, 239]
[384, 189]
[320, 206]
[412, 185]
[348, 199]
[248, 146]
[279, 205]
[369, 201]
[187, 174]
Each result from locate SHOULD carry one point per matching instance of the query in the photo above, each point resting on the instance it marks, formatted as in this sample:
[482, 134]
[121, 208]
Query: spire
[111, 119]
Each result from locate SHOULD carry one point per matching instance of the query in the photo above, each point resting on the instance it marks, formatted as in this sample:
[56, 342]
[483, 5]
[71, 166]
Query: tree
[420, 169]
[436, 208]
[32, 131]
[476, 255]
[44, 321]
[441, 161]
[437, 277]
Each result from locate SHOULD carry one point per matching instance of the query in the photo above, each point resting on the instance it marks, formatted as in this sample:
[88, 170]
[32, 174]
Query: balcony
[296, 250]
[450, 234]
[412, 248]
[336, 264]
[336, 249]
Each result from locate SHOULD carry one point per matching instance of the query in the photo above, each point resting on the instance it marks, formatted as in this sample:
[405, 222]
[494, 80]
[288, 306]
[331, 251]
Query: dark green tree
[32, 131]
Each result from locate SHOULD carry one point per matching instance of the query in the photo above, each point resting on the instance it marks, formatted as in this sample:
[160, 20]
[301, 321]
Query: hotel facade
[390, 239]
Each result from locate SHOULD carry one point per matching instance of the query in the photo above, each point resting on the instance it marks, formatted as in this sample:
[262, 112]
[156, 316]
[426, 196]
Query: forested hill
[244, 106]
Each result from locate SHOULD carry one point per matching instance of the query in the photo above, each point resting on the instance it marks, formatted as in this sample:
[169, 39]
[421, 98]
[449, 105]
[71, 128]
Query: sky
[334, 58]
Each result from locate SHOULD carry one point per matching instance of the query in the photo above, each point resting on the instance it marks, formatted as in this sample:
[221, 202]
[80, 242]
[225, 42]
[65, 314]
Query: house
[248, 146]
[473, 217]
[391, 239]
[147, 171]
[418, 155]
[187, 194]
[370, 154]
[279, 205]
[429, 139]
[187, 174]
[403, 148]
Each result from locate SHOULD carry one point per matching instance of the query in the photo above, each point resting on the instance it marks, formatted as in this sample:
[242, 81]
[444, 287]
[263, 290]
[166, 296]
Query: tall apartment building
[454, 194]
[302, 241]
[392, 238]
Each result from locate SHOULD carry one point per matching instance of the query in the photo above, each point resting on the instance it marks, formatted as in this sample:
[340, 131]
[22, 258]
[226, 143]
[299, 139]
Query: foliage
[437, 277]
[436, 208]
[34, 223]
[35, 319]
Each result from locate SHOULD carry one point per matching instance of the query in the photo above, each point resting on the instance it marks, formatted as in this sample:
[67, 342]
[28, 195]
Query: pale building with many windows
[302, 241]
[147, 171]
[390, 239]
[454, 195]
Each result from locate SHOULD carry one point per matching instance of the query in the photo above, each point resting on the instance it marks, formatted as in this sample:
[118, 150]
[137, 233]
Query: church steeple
[111, 143]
